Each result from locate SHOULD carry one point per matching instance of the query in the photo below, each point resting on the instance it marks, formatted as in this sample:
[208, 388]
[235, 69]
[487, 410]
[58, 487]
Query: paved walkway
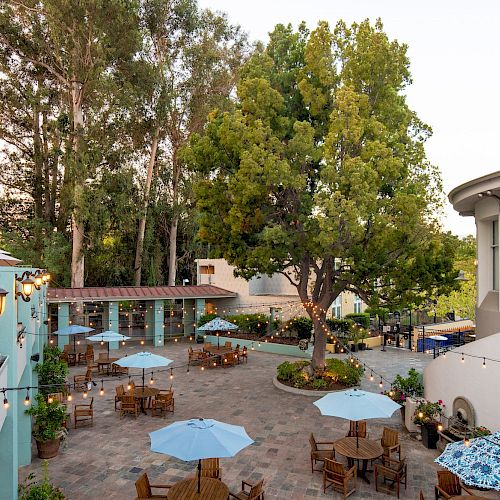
[107, 458]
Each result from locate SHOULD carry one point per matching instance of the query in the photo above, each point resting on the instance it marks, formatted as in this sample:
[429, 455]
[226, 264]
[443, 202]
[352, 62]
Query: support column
[113, 322]
[157, 328]
[62, 322]
[188, 317]
[199, 310]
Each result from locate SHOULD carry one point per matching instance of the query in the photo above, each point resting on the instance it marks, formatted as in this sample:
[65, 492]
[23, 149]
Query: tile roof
[137, 293]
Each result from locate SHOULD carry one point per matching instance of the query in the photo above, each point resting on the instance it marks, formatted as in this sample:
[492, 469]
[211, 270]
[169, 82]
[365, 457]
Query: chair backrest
[90, 349]
[103, 355]
[256, 490]
[56, 396]
[228, 344]
[245, 350]
[88, 374]
[190, 350]
[210, 468]
[421, 497]
[361, 429]
[448, 482]
[128, 401]
[142, 486]
[335, 469]
[208, 344]
[120, 391]
[312, 442]
[390, 437]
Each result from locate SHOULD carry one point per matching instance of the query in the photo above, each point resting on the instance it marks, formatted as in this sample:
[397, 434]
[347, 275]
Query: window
[357, 305]
[337, 307]
[207, 270]
[494, 254]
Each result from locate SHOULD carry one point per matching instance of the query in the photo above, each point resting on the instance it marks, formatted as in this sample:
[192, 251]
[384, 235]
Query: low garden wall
[283, 349]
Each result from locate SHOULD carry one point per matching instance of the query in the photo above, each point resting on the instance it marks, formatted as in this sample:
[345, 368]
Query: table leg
[363, 471]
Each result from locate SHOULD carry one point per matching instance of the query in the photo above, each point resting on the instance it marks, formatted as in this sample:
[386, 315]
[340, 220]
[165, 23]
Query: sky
[454, 53]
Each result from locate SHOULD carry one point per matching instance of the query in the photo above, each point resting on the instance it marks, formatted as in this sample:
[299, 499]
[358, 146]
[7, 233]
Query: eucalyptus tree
[188, 66]
[320, 173]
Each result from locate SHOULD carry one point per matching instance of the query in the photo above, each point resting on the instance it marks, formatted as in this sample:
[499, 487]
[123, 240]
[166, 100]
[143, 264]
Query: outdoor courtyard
[107, 458]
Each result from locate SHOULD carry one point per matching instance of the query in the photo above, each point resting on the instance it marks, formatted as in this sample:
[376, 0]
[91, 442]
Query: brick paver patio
[106, 459]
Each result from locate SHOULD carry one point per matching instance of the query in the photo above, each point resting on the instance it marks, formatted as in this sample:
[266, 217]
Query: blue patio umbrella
[477, 464]
[143, 360]
[199, 438]
[356, 405]
[73, 330]
[108, 336]
[218, 325]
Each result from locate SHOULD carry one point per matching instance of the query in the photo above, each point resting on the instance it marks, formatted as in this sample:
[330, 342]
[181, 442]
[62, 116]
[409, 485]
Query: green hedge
[362, 318]
[336, 324]
[302, 326]
[206, 318]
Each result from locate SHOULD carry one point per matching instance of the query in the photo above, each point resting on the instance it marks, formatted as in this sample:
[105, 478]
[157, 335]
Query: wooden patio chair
[56, 396]
[390, 442]
[64, 357]
[129, 405]
[393, 470]
[229, 359]
[210, 468]
[229, 345]
[421, 496]
[244, 354]
[194, 355]
[118, 370]
[81, 381]
[143, 488]
[163, 403]
[256, 491]
[361, 429]
[84, 413]
[449, 485]
[207, 345]
[319, 455]
[120, 391]
[340, 478]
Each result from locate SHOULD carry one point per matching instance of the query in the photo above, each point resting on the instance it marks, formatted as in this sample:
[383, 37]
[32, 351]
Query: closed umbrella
[477, 464]
[73, 330]
[356, 405]
[218, 325]
[108, 336]
[143, 360]
[200, 438]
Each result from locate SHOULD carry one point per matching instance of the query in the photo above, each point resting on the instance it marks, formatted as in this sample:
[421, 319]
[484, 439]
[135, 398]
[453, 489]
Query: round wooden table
[210, 489]
[469, 497]
[367, 449]
[143, 393]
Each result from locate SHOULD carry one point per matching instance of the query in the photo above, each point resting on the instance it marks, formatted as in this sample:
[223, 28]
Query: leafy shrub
[302, 326]
[480, 431]
[341, 325]
[252, 323]
[49, 419]
[206, 318]
[343, 372]
[286, 370]
[292, 372]
[427, 412]
[42, 489]
[52, 371]
[411, 386]
[319, 383]
[362, 318]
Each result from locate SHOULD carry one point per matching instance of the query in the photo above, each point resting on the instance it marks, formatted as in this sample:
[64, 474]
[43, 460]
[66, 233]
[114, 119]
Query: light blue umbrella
[73, 330]
[108, 336]
[356, 405]
[143, 360]
[199, 438]
[218, 325]
[477, 464]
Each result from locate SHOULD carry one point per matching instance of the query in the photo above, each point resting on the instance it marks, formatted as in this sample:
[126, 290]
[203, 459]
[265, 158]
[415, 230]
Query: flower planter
[361, 346]
[403, 410]
[430, 435]
[48, 449]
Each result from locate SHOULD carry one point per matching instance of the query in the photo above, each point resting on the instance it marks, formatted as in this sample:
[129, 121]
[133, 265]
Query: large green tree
[321, 174]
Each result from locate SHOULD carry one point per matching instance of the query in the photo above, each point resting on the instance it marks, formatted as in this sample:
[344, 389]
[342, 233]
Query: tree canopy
[320, 173]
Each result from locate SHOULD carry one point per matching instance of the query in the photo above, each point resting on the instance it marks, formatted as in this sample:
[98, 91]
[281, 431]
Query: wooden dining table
[210, 489]
[363, 449]
[144, 393]
[105, 363]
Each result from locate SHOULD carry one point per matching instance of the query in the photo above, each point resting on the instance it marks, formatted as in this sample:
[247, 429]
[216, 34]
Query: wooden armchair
[129, 405]
[390, 442]
[392, 470]
[163, 403]
[361, 429]
[64, 357]
[194, 355]
[229, 345]
[120, 391]
[81, 381]
[207, 345]
[118, 370]
[319, 455]
[143, 488]
[229, 359]
[343, 480]
[210, 468]
[256, 491]
[84, 413]
[421, 496]
[449, 485]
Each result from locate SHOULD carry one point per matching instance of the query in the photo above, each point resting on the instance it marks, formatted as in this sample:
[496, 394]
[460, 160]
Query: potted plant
[399, 397]
[426, 416]
[405, 388]
[362, 336]
[48, 425]
[200, 339]
[480, 431]
[32, 489]
[52, 372]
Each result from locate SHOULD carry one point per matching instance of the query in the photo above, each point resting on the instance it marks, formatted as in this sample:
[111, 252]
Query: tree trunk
[77, 257]
[142, 221]
[172, 257]
[318, 357]
[38, 160]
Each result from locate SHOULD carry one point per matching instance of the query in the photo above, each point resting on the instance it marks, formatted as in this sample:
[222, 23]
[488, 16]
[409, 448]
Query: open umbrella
[73, 330]
[143, 360]
[108, 336]
[199, 438]
[477, 464]
[356, 405]
[218, 325]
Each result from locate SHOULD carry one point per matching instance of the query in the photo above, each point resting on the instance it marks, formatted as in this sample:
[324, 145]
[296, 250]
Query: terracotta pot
[48, 449]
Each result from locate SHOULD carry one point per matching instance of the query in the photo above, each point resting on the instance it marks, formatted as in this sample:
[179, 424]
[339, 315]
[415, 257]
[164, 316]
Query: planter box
[353, 347]
[361, 346]
[430, 435]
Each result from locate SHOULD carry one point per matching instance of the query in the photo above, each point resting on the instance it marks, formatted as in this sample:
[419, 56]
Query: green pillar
[113, 322]
[62, 322]
[188, 318]
[199, 310]
[158, 323]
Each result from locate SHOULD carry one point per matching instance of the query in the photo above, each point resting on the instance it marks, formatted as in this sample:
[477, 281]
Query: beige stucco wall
[447, 378]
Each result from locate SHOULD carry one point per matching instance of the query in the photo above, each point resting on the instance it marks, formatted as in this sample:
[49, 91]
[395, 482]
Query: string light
[463, 359]
[381, 383]
[371, 377]
[85, 393]
[129, 385]
[70, 397]
[5, 401]
[50, 399]
[484, 362]
[151, 380]
[101, 392]
[440, 427]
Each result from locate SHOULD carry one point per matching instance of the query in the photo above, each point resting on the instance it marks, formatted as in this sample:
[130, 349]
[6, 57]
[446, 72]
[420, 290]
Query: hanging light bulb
[151, 380]
[101, 392]
[50, 399]
[27, 398]
[484, 362]
[440, 427]
[463, 359]
[466, 441]
[85, 393]
[381, 383]
[371, 377]
[70, 397]
[129, 385]
[5, 401]
[420, 414]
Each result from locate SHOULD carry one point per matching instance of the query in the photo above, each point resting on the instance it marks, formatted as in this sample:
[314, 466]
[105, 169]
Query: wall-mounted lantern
[45, 277]
[38, 280]
[3, 295]
[27, 286]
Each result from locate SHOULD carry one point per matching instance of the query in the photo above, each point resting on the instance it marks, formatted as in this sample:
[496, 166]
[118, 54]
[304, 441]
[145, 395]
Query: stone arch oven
[463, 417]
